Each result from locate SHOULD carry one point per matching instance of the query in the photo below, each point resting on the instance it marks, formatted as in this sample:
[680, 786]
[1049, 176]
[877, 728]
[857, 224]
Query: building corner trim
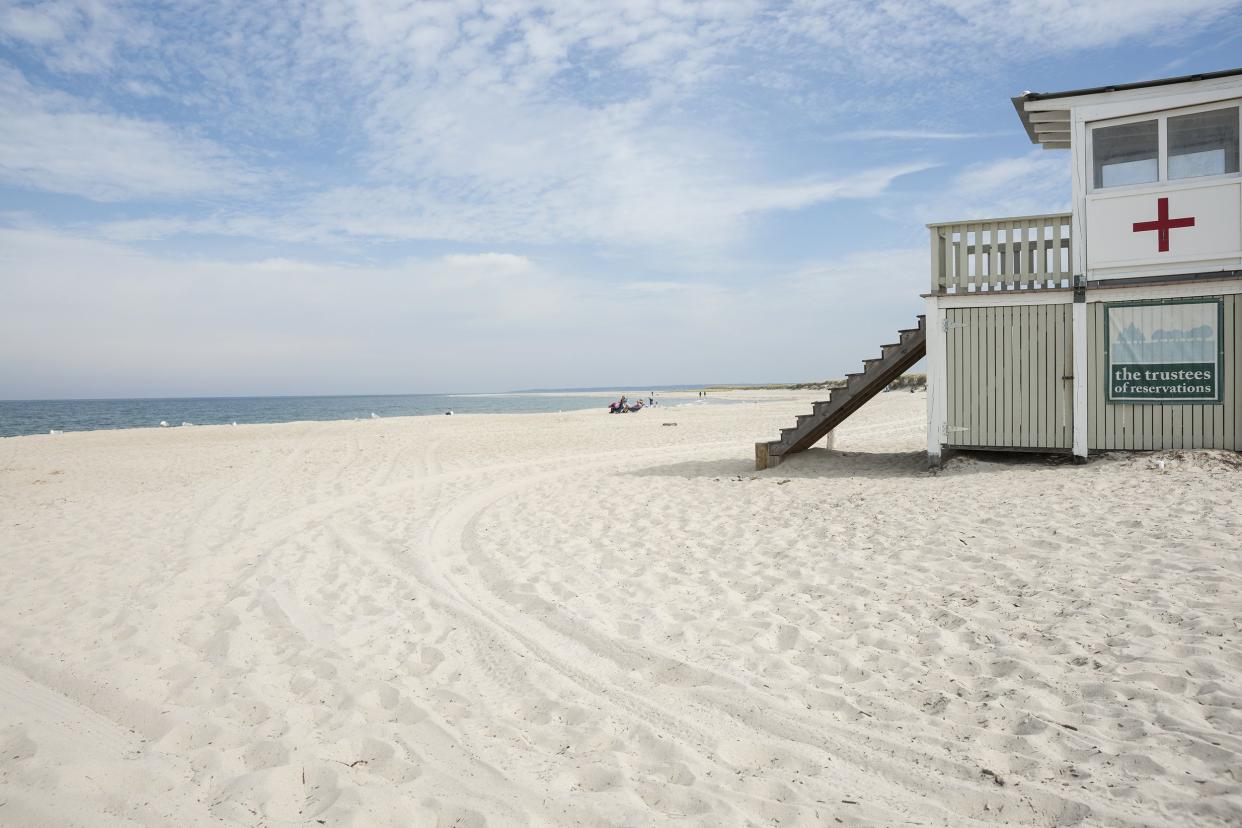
[1080, 371]
[937, 381]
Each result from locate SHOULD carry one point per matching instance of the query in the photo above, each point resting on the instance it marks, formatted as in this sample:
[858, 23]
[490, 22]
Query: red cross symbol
[1163, 224]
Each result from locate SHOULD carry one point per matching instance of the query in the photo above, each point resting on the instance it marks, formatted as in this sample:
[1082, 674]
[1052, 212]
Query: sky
[395, 196]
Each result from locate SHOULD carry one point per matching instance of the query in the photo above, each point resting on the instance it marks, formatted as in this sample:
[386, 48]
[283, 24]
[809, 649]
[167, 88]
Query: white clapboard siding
[1008, 377]
[1122, 426]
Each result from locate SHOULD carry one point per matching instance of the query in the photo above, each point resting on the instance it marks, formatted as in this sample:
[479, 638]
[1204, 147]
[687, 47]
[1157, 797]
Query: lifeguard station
[1113, 326]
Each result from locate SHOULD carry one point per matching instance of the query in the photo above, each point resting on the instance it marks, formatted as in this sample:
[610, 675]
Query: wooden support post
[763, 460]
[1079, 341]
[937, 380]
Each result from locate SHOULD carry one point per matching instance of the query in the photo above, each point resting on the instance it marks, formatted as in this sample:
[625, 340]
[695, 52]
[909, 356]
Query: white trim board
[986, 299]
[1079, 390]
[1119, 103]
[936, 379]
[1179, 291]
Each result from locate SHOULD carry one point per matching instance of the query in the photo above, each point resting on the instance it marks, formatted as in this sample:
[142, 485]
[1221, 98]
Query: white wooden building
[1116, 325]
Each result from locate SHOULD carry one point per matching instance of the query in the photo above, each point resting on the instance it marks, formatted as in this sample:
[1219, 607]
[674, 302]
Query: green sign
[1165, 351]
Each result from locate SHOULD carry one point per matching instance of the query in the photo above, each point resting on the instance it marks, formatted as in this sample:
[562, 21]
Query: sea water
[42, 416]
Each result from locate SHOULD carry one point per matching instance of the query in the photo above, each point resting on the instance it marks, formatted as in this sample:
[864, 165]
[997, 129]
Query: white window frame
[1162, 146]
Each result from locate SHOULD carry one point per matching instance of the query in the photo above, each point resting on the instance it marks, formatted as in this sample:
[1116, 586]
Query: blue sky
[371, 196]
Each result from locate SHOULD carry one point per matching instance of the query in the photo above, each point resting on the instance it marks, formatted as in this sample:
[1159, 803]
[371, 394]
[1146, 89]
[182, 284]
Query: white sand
[580, 619]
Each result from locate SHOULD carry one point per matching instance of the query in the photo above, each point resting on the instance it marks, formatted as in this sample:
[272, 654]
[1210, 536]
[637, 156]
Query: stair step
[839, 398]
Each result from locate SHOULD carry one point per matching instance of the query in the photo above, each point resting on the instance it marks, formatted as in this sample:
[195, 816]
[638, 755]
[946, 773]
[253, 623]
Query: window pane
[1205, 143]
[1125, 154]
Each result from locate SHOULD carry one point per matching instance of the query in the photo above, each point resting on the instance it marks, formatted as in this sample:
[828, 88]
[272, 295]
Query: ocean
[19, 417]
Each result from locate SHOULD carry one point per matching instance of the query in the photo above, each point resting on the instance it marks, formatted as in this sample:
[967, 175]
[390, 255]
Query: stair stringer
[846, 400]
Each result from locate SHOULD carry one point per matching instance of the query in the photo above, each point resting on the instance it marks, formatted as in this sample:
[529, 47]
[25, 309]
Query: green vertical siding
[1153, 426]
[1006, 369]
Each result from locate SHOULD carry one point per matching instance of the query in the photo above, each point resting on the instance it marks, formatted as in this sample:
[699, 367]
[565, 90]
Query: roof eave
[1123, 87]
[1020, 102]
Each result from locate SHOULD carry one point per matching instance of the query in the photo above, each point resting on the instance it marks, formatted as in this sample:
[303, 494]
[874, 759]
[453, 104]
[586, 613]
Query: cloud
[910, 135]
[655, 287]
[540, 122]
[1035, 183]
[52, 141]
[906, 40]
[84, 317]
[74, 36]
[588, 122]
[642, 208]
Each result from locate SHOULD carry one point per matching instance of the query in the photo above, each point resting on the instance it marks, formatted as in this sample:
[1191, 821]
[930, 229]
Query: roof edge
[1122, 87]
[1020, 101]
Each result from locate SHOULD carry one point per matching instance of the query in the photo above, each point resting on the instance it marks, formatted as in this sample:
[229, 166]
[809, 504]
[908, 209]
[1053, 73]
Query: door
[1010, 377]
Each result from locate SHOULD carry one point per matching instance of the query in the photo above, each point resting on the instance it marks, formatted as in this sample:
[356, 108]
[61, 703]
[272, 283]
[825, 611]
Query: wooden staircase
[877, 373]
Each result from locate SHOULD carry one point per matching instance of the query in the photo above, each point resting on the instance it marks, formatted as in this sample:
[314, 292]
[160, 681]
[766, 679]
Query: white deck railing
[1022, 253]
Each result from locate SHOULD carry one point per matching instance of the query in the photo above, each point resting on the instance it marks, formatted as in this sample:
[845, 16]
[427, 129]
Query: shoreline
[682, 399]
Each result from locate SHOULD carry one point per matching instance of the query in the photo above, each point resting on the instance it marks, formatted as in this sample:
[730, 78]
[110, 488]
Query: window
[1163, 148]
[1205, 143]
[1126, 154]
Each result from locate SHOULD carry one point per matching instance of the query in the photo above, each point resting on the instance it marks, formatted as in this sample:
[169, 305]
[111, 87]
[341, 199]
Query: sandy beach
[582, 619]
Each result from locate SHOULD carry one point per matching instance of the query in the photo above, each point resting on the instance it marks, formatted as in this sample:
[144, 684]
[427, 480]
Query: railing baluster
[1058, 270]
[1011, 263]
[1037, 247]
[993, 242]
[1031, 237]
[946, 257]
[1045, 248]
[1002, 254]
[980, 271]
[1068, 268]
[963, 265]
[955, 275]
[976, 283]
[1041, 252]
[1017, 235]
[1034, 246]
